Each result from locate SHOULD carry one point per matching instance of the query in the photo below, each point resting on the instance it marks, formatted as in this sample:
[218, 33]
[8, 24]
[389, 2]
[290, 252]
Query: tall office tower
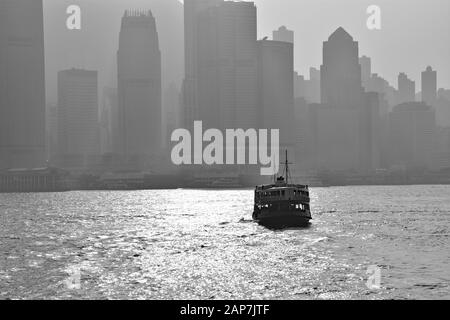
[192, 11]
[22, 84]
[341, 72]
[412, 133]
[429, 86]
[346, 115]
[283, 34]
[139, 88]
[276, 85]
[227, 79]
[78, 125]
[406, 89]
[366, 71]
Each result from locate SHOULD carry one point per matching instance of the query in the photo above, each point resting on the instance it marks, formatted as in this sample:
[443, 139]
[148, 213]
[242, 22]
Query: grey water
[202, 244]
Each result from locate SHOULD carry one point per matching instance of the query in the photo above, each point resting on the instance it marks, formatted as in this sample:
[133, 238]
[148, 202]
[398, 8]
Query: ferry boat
[282, 204]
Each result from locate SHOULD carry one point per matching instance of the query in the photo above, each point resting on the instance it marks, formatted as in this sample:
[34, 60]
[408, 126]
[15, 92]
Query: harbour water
[202, 244]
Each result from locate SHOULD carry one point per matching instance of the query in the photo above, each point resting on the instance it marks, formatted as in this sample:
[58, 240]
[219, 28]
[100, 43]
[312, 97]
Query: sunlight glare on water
[202, 244]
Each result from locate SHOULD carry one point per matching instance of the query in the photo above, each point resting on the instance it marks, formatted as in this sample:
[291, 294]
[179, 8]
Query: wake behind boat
[282, 204]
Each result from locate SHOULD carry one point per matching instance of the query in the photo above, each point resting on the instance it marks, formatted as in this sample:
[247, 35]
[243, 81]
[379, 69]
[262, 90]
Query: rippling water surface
[198, 244]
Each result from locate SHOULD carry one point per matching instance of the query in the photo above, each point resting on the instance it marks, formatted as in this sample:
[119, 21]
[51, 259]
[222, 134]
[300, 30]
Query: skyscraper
[192, 11]
[22, 84]
[429, 86]
[406, 89]
[139, 88]
[227, 74]
[345, 120]
[283, 34]
[341, 72]
[78, 125]
[276, 87]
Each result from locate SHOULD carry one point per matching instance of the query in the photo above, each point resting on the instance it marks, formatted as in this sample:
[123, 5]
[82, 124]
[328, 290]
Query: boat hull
[282, 219]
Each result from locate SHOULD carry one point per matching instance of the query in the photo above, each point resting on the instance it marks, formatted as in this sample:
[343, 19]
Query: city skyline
[406, 25]
[352, 17]
[234, 79]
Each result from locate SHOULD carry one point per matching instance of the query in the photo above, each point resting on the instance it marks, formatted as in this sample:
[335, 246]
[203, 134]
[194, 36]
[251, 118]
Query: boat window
[283, 193]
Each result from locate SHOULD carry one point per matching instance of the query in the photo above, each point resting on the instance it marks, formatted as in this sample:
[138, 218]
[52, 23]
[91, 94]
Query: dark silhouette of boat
[282, 204]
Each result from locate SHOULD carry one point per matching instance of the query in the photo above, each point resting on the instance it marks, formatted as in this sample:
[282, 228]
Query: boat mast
[287, 168]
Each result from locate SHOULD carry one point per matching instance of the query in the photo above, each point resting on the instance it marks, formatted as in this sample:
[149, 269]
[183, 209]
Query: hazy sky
[414, 34]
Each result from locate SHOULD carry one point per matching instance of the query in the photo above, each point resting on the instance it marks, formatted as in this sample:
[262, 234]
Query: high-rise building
[78, 125]
[22, 84]
[406, 89]
[341, 72]
[192, 11]
[276, 87]
[139, 88]
[412, 128]
[429, 86]
[348, 117]
[284, 35]
[227, 66]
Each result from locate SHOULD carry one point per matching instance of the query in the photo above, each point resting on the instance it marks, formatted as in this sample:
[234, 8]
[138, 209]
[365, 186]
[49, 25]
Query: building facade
[227, 78]
[429, 86]
[22, 84]
[139, 88]
[283, 34]
[412, 129]
[78, 125]
[276, 87]
[406, 89]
